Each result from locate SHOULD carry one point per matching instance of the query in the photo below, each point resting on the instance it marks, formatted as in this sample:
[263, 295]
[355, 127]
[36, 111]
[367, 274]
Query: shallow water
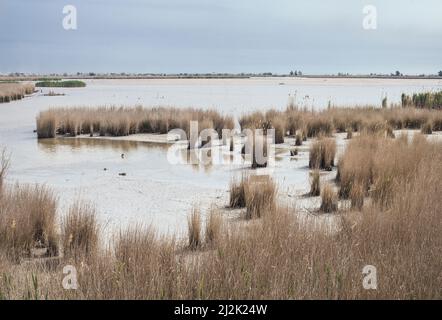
[154, 191]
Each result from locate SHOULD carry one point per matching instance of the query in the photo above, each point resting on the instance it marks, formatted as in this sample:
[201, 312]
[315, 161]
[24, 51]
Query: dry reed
[194, 229]
[237, 193]
[260, 195]
[213, 228]
[322, 154]
[15, 91]
[27, 221]
[315, 186]
[80, 232]
[279, 256]
[113, 121]
[329, 199]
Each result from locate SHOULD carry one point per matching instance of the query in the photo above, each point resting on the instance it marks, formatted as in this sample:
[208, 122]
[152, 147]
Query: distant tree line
[295, 73]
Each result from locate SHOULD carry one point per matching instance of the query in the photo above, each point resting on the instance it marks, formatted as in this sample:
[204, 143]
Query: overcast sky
[173, 36]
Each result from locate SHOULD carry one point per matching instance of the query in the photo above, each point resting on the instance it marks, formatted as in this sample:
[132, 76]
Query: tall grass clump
[394, 163]
[28, 221]
[237, 192]
[427, 128]
[134, 247]
[213, 228]
[329, 199]
[375, 165]
[322, 154]
[356, 164]
[357, 194]
[318, 125]
[80, 232]
[298, 139]
[278, 125]
[315, 185]
[260, 195]
[194, 229]
[46, 126]
[142, 266]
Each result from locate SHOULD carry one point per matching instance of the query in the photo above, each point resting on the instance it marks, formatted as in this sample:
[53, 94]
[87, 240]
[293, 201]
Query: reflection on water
[52, 145]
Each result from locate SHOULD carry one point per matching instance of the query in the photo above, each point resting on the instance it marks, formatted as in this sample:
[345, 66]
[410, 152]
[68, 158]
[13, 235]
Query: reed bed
[294, 261]
[312, 124]
[15, 91]
[279, 256]
[61, 84]
[113, 121]
[375, 165]
[303, 124]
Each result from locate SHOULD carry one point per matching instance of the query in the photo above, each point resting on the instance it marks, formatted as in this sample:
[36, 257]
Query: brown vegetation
[427, 128]
[11, 91]
[322, 154]
[324, 123]
[194, 229]
[312, 262]
[378, 164]
[315, 186]
[80, 232]
[27, 221]
[113, 121]
[357, 194]
[260, 195]
[256, 193]
[238, 193]
[279, 256]
[356, 165]
[329, 199]
[213, 228]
